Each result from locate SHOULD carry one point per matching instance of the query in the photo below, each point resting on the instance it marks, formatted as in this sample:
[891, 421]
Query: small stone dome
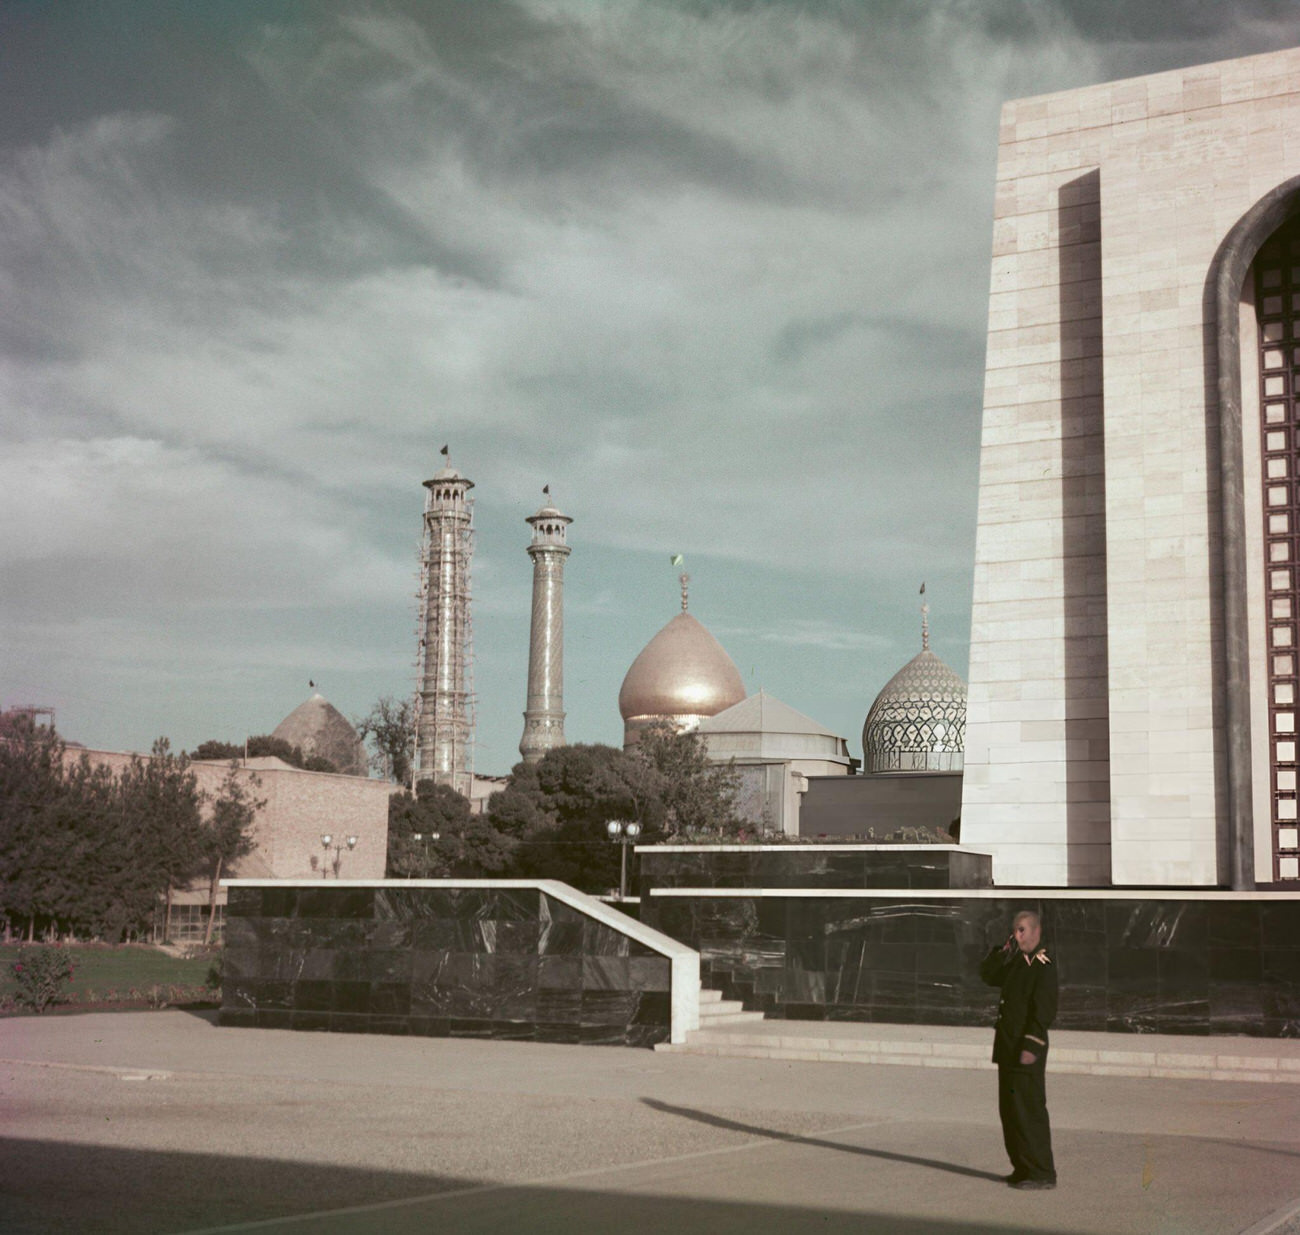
[918, 722]
[319, 728]
[682, 675]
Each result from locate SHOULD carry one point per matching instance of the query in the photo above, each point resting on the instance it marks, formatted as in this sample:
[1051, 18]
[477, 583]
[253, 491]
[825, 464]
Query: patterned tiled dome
[918, 722]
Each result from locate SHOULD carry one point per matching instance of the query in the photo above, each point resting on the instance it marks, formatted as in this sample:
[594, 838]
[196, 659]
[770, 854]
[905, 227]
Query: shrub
[40, 976]
[217, 973]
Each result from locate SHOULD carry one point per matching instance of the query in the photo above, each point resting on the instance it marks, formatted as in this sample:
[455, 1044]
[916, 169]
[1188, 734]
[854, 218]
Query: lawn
[104, 970]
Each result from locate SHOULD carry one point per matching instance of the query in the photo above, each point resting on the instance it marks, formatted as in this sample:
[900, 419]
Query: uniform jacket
[1028, 1004]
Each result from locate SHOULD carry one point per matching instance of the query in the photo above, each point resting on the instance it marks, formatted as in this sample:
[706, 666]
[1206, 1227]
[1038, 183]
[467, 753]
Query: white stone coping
[685, 991]
[809, 848]
[1008, 894]
[1189, 1064]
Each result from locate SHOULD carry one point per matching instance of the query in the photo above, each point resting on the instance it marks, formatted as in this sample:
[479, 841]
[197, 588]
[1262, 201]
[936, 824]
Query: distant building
[301, 807]
[317, 727]
[775, 749]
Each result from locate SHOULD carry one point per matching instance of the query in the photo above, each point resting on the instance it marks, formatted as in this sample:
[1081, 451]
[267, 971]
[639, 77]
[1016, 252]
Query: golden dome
[682, 675]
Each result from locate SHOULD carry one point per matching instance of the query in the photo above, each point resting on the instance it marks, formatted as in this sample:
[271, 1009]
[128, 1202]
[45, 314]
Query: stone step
[729, 1016]
[719, 1011]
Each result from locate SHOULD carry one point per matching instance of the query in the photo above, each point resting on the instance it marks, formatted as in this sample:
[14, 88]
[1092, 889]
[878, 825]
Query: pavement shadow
[50, 1186]
[733, 1125]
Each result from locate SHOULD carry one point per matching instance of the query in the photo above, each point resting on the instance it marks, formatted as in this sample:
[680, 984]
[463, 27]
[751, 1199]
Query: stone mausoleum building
[1134, 664]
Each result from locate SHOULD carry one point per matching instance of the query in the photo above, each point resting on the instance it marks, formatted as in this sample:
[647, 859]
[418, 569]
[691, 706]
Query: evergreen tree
[224, 835]
[560, 807]
[469, 846]
[161, 821]
[33, 870]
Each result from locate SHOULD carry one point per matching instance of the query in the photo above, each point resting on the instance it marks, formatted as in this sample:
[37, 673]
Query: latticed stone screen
[1277, 299]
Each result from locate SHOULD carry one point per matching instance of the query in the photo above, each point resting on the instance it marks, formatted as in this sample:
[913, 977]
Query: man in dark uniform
[1027, 978]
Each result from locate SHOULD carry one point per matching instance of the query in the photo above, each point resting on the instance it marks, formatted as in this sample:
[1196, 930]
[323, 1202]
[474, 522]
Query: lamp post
[423, 838]
[327, 843]
[623, 834]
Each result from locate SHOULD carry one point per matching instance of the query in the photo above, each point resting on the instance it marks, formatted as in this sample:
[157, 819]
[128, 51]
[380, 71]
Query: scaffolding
[444, 696]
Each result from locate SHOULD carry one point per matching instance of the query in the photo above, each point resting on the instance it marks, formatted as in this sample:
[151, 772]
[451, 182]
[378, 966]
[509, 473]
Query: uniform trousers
[1026, 1130]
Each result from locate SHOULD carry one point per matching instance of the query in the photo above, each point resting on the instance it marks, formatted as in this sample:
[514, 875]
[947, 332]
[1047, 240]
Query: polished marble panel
[1125, 964]
[434, 962]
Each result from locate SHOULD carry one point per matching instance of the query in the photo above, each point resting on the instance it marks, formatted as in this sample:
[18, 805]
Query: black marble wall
[818, 866]
[1125, 965]
[461, 962]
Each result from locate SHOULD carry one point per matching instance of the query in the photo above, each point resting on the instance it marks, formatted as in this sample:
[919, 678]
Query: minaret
[444, 723]
[544, 710]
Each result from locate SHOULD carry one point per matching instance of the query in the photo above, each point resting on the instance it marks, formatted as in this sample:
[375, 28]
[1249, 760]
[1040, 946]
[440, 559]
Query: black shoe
[1013, 1179]
[1035, 1185]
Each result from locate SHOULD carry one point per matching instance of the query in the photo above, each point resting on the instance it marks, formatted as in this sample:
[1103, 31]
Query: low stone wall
[811, 866]
[1159, 962]
[516, 959]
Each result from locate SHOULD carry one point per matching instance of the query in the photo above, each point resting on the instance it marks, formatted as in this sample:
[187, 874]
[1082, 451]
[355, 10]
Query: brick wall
[300, 806]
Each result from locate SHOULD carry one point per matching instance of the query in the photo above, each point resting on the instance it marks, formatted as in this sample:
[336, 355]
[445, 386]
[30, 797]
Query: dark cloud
[682, 260]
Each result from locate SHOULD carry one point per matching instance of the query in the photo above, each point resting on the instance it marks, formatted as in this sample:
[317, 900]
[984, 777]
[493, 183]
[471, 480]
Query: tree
[262, 746]
[698, 796]
[560, 807]
[224, 834]
[161, 818]
[31, 785]
[83, 834]
[469, 846]
[389, 727]
[563, 804]
[213, 750]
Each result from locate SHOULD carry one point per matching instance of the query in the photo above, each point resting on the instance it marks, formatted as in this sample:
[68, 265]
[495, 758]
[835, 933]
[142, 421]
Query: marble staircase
[716, 1011]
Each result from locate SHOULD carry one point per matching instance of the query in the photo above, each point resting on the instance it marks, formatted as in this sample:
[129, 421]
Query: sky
[715, 271]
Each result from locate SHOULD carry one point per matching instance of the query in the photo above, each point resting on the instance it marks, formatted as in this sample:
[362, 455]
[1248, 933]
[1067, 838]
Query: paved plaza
[163, 1122]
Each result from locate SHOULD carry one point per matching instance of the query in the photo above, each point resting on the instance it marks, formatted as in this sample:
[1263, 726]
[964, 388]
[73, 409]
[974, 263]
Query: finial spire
[925, 623]
[684, 579]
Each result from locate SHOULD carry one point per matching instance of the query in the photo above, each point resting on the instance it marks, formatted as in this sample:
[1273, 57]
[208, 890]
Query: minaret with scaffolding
[544, 709]
[444, 701]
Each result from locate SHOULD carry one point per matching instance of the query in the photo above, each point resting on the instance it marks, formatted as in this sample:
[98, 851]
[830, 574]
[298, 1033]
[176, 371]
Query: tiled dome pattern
[918, 721]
